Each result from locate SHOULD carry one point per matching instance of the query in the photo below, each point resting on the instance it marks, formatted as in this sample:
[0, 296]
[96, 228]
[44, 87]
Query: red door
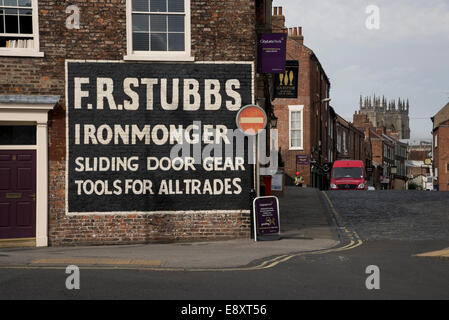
[17, 194]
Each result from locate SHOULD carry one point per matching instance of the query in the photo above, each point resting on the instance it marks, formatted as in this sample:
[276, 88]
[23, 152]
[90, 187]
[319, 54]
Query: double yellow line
[355, 241]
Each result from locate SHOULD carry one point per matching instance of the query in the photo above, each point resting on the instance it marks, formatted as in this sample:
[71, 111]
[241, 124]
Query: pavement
[307, 225]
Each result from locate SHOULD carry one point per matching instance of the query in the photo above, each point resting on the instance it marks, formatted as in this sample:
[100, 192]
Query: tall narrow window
[296, 127]
[19, 34]
[339, 138]
[158, 29]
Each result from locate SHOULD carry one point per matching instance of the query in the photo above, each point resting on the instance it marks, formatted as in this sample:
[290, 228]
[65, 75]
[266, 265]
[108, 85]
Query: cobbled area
[394, 215]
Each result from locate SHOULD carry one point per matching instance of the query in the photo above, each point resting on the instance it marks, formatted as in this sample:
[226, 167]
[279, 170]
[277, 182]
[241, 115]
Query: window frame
[292, 109]
[26, 52]
[159, 55]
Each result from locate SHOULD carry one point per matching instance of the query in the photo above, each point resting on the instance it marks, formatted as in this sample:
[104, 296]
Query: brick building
[389, 154]
[353, 143]
[419, 166]
[343, 139]
[383, 158]
[303, 118]
[398, 171]
[418, 171]
[81, 87]
[332, 136]
[441, 149]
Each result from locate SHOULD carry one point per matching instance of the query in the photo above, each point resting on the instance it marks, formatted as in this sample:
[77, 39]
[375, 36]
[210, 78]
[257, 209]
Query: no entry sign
[251, 119]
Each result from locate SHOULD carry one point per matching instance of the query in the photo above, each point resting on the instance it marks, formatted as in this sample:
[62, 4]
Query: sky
[407, 56]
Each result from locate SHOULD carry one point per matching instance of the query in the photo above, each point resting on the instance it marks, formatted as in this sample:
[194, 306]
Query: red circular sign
[251, 119]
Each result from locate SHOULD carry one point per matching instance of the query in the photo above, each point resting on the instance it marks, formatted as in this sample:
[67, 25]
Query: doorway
[17, 194]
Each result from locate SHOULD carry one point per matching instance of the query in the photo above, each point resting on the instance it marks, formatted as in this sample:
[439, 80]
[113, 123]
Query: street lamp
[273, 121]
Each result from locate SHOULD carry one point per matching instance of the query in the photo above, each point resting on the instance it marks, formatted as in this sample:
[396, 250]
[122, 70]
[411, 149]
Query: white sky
[408, 57]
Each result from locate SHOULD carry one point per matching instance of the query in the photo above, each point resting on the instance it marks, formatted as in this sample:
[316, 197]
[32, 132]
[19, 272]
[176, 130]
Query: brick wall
[222, 30]
[296, 51]
[416, 171]
[127, 229]
[312, 88]
[377, 151]
[441, 156]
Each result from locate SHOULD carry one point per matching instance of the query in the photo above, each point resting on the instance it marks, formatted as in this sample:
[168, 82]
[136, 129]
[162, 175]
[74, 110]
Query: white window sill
[21, 53]
[296, 149]
[158, 57]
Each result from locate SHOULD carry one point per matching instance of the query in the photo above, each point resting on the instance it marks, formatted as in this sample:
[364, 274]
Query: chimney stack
[278, 21]
[380, 130]
[296, 35]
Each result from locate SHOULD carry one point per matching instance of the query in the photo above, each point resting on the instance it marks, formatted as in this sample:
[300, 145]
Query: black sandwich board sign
[266, 219]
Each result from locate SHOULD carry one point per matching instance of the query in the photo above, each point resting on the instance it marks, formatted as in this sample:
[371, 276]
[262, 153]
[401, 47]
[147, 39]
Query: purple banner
[272, 53]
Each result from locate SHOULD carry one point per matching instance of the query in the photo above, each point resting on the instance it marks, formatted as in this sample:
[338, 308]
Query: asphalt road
[394, 226]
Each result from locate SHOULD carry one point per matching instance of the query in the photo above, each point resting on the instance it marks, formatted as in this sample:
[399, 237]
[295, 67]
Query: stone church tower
[389, 114]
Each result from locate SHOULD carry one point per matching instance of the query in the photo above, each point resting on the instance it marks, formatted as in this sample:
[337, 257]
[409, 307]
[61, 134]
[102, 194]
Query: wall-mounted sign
[303, 160]
[286, 84]
[266, 218]
[272, 53]
[136, 133]
[277, 182]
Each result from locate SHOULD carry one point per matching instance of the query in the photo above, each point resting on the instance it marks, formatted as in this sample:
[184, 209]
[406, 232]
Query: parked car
[348, 175]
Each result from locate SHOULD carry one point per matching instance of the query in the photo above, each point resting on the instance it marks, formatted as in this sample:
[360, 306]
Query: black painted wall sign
[286, 83]
[127, 124]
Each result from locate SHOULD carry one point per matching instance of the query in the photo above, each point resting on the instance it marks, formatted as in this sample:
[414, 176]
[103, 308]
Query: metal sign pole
[257, 165]
[250, 120]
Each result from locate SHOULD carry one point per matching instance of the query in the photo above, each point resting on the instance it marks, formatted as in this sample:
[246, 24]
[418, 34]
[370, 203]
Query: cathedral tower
[393, 115]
